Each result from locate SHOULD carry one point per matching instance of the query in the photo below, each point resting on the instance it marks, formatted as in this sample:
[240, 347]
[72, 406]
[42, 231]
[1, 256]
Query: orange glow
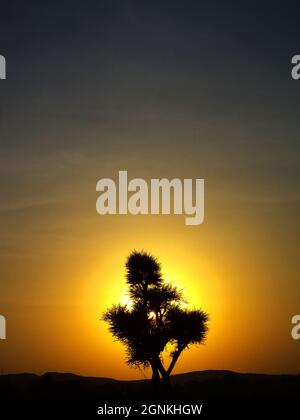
[71, 278]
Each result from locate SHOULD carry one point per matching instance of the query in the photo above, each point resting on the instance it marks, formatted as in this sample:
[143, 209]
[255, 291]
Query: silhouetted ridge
[193, 386]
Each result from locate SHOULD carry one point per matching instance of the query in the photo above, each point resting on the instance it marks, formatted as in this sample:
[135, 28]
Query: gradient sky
[162, 89]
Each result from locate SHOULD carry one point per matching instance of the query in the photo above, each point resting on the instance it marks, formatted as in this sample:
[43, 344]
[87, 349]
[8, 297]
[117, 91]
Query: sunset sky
[160, 89]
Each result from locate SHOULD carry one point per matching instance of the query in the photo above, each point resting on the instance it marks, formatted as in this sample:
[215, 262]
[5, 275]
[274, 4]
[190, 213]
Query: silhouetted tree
[155, 318]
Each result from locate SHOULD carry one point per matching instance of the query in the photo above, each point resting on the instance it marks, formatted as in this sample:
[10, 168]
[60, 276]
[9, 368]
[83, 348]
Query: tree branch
[176, 354]
[161, 368]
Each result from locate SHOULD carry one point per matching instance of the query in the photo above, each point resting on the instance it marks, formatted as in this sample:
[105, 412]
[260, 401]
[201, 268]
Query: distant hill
[192, 386]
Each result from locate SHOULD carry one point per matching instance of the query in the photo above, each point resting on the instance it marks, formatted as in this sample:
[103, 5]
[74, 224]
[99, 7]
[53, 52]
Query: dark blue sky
[127, 77]
[102, 60]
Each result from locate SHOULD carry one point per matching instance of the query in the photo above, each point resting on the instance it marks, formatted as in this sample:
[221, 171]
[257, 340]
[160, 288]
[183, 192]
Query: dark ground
[193, 386]
[222, 394]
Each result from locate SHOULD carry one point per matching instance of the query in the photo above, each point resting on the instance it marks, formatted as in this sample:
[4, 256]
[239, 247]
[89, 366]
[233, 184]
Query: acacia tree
[156, 318]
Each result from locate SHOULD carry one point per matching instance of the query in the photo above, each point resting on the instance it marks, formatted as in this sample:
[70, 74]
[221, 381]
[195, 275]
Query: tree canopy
[156, 318]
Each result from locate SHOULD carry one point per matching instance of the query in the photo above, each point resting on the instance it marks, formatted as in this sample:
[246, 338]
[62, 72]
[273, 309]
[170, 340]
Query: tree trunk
[155, 381]
[166, 378]
[168, 385]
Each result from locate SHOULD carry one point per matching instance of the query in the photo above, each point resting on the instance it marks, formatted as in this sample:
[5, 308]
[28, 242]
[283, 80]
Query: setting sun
[125, 300]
